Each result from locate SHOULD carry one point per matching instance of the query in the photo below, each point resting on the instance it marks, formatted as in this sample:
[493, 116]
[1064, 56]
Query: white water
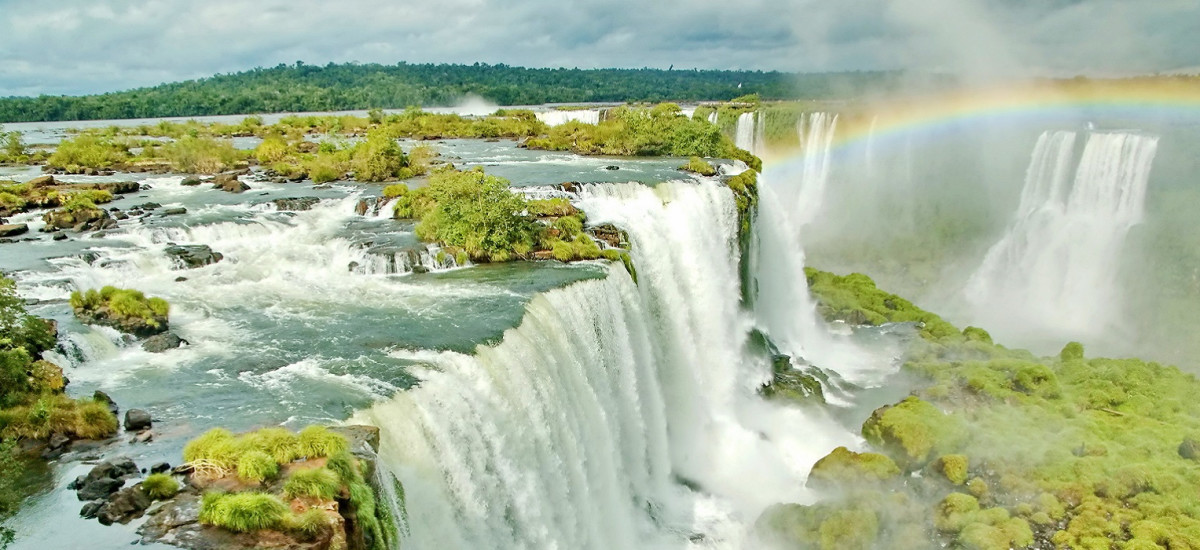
[555, 118]
[1056, 268]
[572, 432]
[750, 132]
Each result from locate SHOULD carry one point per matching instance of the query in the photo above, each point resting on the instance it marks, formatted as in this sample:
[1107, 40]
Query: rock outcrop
[297, 204]
[190, 256]
[162, 342]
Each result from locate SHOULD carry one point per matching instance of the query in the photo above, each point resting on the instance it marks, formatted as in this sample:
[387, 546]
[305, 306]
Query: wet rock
[41, 181]
[162, 342]
[228, 181]
[59, 236]
[91, 509]
[191, 256]
[58, 441]
[13, 229]
[159, 468]
[612, 167]
[104, 398]
[298, 204]
[615, 238]
[120, 215]
[190, 181]
[148, 206]
[82, 219]
[94, 489]
[124, 506]
[173, 212]
[137, 420]
[180, 279]
[362, 207]
[144, 436]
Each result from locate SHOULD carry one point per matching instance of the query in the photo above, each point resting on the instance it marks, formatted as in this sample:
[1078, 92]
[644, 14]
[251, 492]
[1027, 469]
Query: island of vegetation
[998, 448]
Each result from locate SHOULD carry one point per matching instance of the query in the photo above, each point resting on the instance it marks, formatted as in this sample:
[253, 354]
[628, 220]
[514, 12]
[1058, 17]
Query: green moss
[160, 486]
[242, 512]
[850, 530]
[844, 467]
[309, 525]
[697, 165]
[911, 430]
[856, 300]
[954, 468]
[319, 483]
[1073, 351]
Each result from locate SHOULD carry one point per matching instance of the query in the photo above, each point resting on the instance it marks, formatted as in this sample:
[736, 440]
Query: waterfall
[745, 134]
[806, 181]
[712, 117]
[1057, 265]
[556, 117]
[617, 415]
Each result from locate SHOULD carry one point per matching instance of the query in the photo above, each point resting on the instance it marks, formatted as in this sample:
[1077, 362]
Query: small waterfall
[1057, 265]
[617, 415]
[712, 117]
[556, 117]
[744, 134]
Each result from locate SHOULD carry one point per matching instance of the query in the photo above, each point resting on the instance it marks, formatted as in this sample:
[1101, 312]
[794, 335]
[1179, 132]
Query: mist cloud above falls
[77, 46]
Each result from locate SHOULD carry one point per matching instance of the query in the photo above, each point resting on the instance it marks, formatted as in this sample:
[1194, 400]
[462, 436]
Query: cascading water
[803, 194]
[617, 415]
[750, 133]
[556, 118]
[1056, 268]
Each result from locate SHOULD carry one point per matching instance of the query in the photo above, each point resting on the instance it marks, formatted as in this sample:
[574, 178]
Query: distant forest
[333, 87]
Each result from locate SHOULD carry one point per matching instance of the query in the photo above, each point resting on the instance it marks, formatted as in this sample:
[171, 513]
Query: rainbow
[1060, 102]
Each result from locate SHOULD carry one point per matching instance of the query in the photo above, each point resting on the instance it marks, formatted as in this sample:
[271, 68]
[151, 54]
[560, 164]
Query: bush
[555, 207]
[88, 151]
[160, 486]
[319, 483]
[242, 512]
[393, 191]
[48, 414]
[309, 525]
[256, 466]
[475, 212]
[697, 165]
[318, 441]
[378, 158]
[278, 443]
[201, 155]
[215, 446]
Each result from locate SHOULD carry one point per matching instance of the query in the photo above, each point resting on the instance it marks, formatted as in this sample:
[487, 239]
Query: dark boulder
[124, 506]
[148, 206]
[137, 420]
[362, 207]
[297, 204]
[173, 212]
[228, 181]
[94, 489]
[13, 229]
[82, 219]
[160, 468]
[190, 256]
[162, 342]
[190, 181]
[612, 167]
[59, 236]
[91, 509]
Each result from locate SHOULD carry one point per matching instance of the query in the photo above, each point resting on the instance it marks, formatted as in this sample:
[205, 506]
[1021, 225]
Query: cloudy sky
[85, 46]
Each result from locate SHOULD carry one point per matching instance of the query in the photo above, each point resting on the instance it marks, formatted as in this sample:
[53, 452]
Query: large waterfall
[1057, 265]
[618, 414]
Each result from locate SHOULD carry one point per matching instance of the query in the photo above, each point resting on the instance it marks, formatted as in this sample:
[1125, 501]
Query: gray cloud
[78, 46]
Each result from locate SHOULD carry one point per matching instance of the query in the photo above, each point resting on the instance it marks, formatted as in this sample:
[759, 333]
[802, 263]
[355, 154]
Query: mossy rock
[912, 430]
[819, 527]
[1190, 449]
[844, 467]
[123, 309]
[792, 384]
[953, 468]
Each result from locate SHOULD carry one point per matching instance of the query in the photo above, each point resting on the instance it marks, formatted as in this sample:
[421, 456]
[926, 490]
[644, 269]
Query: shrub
[272, 150]
[700, 166]
[256, 466]
[309, 525]
[201, 155]
[56, 413]
[278, 443]
[216, 445]
[378, 158]
[556, 207]
[475, 212]
[160, 486]
[393, 191]
[11, 202]
[319, 483]
[88, 151]
[242, 512]
[318, 441]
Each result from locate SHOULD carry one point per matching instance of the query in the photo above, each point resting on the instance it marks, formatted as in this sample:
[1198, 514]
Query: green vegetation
[201, 155]
[300, 87]
[125, 309]
[242, 512]
[320, 483]
[32, 403]
[88, 151]
[846, 466]
[270, 453]
[1015, 450]
[476, 214]
[160, 486]
[697, 165]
